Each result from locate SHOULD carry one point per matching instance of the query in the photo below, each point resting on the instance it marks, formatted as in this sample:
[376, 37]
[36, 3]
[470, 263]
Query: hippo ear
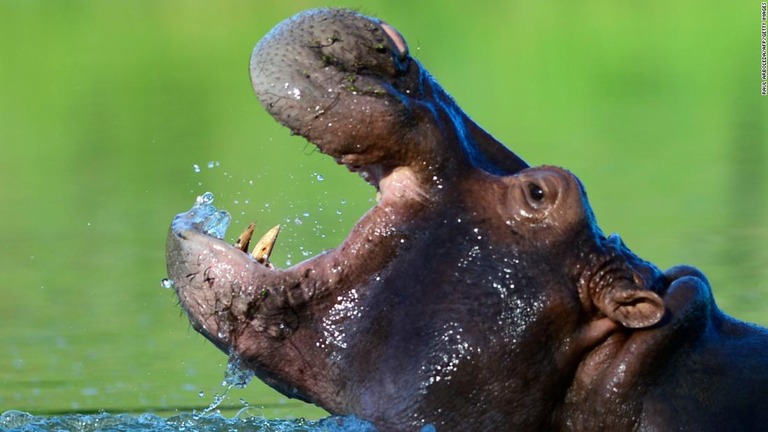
[631, 305]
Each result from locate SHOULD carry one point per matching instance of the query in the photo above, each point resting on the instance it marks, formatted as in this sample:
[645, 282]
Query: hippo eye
[535, 191]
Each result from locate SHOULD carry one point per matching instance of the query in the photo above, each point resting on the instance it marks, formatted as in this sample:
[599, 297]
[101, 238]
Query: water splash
[213, 407]
[237, 375]
[214, 222]
[26, 422]
[166, 283]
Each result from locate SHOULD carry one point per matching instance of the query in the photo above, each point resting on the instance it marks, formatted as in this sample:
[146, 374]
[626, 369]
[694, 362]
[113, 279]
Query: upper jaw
[335, 77]
[323, 46]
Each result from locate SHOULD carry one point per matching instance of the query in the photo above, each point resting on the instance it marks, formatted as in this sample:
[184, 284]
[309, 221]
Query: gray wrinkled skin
[477, 293]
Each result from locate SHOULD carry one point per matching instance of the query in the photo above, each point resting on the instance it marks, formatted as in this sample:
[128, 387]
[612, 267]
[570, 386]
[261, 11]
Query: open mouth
[204, 218]
[406, 137]
[372, 174]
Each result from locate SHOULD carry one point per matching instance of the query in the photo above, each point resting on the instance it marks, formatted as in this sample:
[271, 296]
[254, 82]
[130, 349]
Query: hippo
[478, 293]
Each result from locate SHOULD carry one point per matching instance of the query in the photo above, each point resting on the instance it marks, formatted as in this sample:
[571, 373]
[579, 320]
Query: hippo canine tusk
[244, 240]
[263, 248]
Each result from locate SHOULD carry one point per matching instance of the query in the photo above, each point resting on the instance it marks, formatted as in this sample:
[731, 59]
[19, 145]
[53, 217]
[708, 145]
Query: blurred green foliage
[105, 106]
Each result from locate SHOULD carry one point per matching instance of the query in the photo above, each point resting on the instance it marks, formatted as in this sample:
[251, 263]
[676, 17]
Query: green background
[105, 106]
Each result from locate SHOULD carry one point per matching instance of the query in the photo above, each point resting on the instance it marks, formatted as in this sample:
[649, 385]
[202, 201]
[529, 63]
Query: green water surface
[106, 107]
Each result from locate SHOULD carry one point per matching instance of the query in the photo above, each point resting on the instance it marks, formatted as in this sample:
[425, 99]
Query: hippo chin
[477, 293]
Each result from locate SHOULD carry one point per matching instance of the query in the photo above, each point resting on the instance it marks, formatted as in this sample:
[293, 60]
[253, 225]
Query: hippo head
[469, 293]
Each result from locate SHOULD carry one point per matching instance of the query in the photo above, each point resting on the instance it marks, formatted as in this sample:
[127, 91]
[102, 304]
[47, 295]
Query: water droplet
[201, 393]
[166, 283]
[237, 374]
[211, 164]
[319, 177]
[196, 168]
[305, 214]
[216, 225]
[206, 198]
[297, 221]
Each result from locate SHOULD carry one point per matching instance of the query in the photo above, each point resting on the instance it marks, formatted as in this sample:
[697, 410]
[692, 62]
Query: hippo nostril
[397, 38]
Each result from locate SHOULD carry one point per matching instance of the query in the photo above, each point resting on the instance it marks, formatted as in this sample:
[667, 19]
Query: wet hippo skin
[478, 293]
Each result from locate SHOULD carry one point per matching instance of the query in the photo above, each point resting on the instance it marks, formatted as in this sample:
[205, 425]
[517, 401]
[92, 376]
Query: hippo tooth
[263, 248]
[245, 238]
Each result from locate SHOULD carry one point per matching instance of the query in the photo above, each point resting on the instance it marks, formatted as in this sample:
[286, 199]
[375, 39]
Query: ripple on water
[26, 422]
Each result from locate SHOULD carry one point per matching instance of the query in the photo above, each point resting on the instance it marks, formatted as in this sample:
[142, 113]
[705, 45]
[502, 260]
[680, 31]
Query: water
[213, 222]
[235, 376]
[19, 421]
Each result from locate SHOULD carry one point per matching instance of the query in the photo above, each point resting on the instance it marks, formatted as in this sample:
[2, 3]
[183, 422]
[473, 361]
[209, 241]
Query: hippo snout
[347, 83]
[331, 74]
